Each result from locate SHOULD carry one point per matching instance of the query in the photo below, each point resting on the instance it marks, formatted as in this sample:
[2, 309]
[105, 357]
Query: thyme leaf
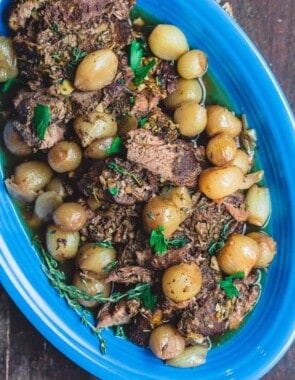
[104, 244]
[41, 120]
[179, 242]
[217, 245]
[228, 286]
[113, 191]
[78, 55]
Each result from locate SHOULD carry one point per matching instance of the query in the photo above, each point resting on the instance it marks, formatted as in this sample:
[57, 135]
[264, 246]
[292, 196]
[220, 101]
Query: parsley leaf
[144, 293]
[116, 146]
[113, 190]
[228, 286]
[179, 242]
[104, 244]
[11, 83]
[136, 53]
[158, 240]
[142, 71]
[143, 121]
[41, 120]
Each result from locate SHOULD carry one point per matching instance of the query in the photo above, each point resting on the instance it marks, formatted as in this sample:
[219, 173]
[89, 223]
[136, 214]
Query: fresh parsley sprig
[116, 146]
[228, 286]
[136, 54]
[41, 119]
[217, 245]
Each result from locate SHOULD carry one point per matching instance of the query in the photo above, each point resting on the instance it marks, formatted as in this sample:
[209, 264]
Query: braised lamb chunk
[130, 275]
[120, 313]
[84, 102]
[25, 103]
[117, 224]
[161, 125]
[140, 329]
[235, 205]
[211, 222]
[131, 183]
[173, 257]
[174, 162]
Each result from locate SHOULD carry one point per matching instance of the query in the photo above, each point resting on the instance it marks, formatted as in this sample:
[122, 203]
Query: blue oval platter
[247, 80]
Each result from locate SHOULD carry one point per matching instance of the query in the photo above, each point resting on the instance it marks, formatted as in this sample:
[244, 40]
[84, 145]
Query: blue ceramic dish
[270, 330]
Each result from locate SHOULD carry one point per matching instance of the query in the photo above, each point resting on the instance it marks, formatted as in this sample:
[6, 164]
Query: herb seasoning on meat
[133, 176]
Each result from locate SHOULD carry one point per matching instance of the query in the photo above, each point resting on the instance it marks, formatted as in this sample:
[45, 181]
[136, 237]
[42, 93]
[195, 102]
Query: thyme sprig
[217, 245]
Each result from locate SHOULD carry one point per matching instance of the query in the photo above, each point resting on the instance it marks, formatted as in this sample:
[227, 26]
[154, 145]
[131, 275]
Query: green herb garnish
[41, 120]
[119, 332]
[110, 266]
[142, 71]
[55, 55]
[143, 291]
[217, 245]
[10, 83]
[158, 241]
[116, 146]
[113, 190]
[179, 242]
[228, 286]
[136, 53]
[78, 55]
[104, 244]
[143, 121]
[117, 168]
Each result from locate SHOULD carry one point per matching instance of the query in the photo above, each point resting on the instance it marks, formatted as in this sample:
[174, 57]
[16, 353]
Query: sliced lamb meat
[162, 125]
[172, 257]
[235, 205]
[202, 320]
[130, 275]
[132, 183]
[117, 314]
[25, 104]
[84, 102]
[117, 224]
[167, 75]
[174, 162]
[249, 293]
[210, 223]
[140, 329]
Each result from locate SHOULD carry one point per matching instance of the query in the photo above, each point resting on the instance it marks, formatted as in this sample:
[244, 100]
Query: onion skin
[258, 204]
[192, 356]
[239, 254]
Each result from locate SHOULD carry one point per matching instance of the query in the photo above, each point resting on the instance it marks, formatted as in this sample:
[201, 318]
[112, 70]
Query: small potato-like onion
[186, 89]
[97, 149]
[220, 119]
[46, 203]
[166, 342]
[14, 141]
[8, 61]
[94, 125]
[241, 160]
[239, 254]
[91, 285]
[65, 156]
[95, 259]
[60, 244]
[267, 246]
[32, 175]
[57, 185]
[182, 282]
[97, 70]
[258, 204]
[167, 42]
[70, 216]
[218, 182]
[191, 117]
[221, 149]
[181, 197]
[192, 64]
[161, 212]
[192, 356]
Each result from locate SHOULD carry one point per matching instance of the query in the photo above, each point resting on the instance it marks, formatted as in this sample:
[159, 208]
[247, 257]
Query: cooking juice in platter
[215, 94]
